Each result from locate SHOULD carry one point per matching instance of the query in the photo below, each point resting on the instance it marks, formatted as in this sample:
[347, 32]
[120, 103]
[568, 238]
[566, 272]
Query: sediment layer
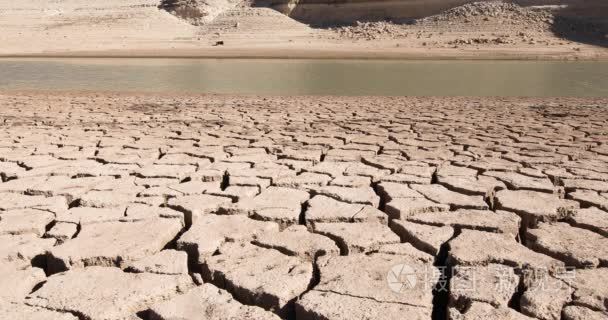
[163, 207]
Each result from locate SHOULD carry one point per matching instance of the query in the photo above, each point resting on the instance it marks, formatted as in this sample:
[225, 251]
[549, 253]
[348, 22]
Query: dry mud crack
[227, 207]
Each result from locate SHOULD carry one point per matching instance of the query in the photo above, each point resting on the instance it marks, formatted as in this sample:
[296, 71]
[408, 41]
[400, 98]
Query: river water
[310, 77]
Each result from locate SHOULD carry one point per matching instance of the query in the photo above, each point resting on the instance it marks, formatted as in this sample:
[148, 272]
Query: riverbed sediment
[117, 205]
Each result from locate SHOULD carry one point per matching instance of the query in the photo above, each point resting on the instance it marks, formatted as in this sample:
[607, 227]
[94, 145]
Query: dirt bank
[147, 28]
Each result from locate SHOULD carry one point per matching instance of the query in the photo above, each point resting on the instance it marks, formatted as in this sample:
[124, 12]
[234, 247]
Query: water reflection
[297, 77]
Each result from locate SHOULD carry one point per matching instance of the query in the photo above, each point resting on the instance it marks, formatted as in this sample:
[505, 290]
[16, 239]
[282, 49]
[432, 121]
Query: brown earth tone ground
[141, 28]
[164, 207]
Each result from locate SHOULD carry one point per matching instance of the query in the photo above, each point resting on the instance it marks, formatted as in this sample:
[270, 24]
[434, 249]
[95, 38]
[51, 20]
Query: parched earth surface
[219, 207]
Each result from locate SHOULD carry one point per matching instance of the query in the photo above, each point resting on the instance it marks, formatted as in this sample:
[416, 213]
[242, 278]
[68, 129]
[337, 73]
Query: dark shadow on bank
[583, 24]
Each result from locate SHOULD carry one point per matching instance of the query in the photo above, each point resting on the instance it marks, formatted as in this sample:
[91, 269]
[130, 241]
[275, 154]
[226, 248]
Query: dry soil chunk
[19, 283]
[471, 248]
[62, 231]
[195, 206]
[19, 250]
[325, 209]
[523, 182]
[590, 288]
[282, 205]
[494, 284]
[357, 237]
[535, 206]
[364, 195]
[591, 198]
[25, 221]
[544, 296]
[574, 246]
[391, 190]
[427, 238]
[483, 220]
[107, 293]
[480, 310]
[298, 241]
[582, 313]
[14, 201]
[455, 200]
[316, 305]
[259, 276]
[209, 232]
[592, 219]
[401, 208]
[208, 302]
[113, 243]
[164, 262]
[374, 277]
[24, 312]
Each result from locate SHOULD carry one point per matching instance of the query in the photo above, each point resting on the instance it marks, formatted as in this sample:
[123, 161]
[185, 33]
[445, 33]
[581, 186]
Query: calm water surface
[304, 77]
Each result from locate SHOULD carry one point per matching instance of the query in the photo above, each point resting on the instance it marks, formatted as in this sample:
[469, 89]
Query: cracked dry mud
[227, 207]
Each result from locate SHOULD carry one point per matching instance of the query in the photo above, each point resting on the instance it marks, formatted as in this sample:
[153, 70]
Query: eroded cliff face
[333, 12]
[197, 12]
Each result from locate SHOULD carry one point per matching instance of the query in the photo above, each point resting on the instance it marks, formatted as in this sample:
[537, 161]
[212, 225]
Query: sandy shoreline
[354, 54]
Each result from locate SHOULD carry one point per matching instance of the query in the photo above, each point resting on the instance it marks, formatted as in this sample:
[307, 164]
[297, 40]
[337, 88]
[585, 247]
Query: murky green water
[308, 77]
